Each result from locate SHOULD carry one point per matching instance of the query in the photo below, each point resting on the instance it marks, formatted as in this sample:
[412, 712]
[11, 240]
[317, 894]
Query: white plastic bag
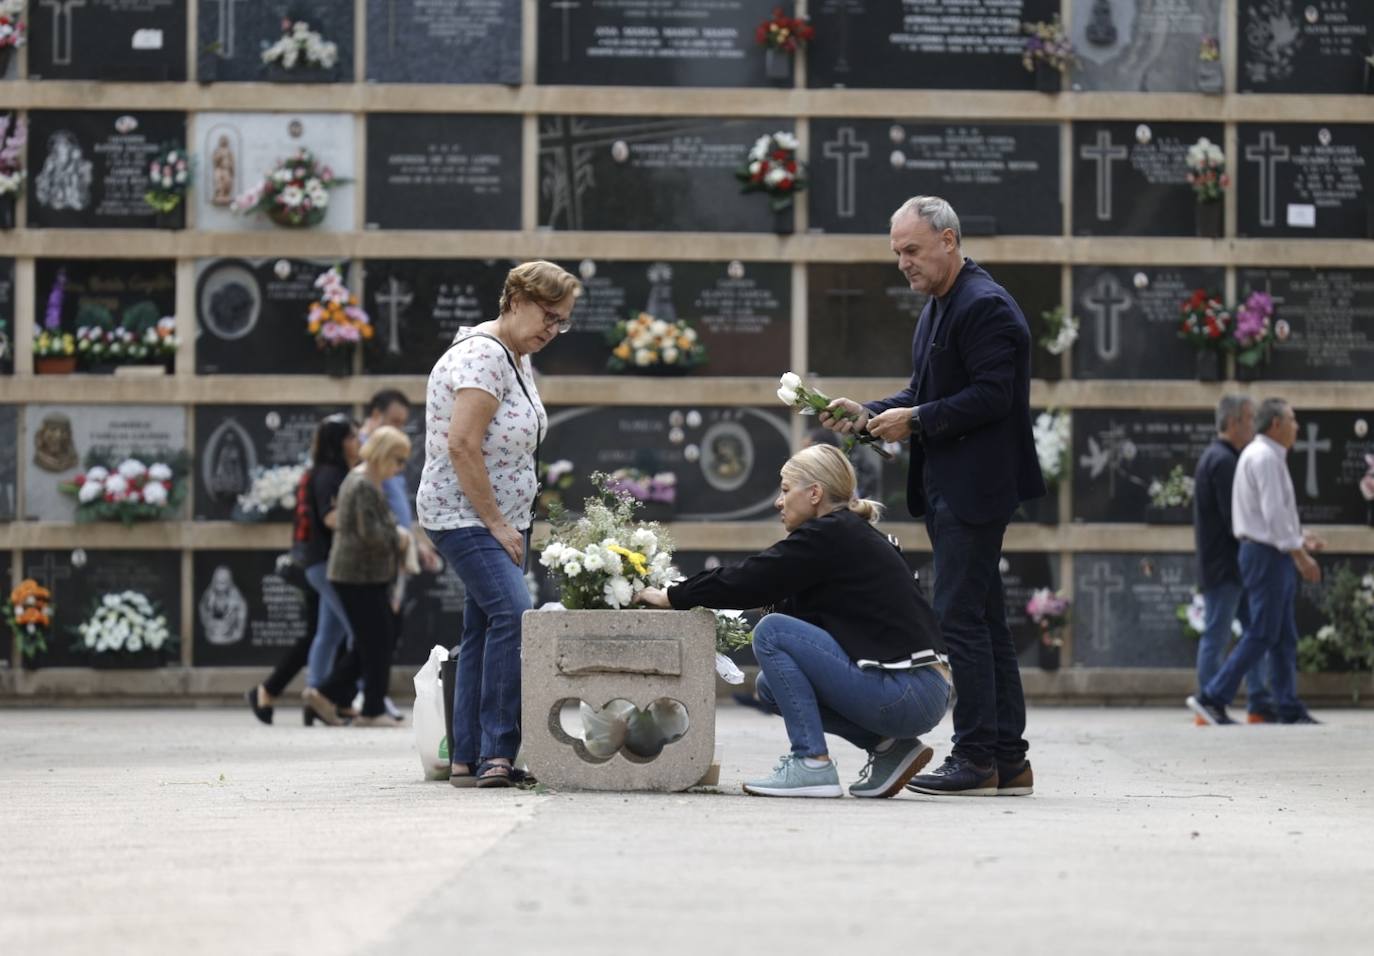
[431, 736]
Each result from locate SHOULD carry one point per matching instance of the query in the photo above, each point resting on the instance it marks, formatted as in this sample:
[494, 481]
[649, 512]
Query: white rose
[643, 357]
[116, 484]
[790, 380]
[132, 468]
[90, 491]
[97, 474]
[155, 493]
[787, 396]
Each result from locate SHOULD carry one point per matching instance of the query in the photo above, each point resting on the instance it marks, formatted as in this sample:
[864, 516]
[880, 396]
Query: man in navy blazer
[967, 413]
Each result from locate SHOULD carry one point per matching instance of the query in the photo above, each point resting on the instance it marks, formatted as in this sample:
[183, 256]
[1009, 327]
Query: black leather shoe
[1303, 718]
[263, 714]
[1015, 779]
[957, 777]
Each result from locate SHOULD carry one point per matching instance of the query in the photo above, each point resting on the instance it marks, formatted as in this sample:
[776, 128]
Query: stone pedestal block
[601, 656]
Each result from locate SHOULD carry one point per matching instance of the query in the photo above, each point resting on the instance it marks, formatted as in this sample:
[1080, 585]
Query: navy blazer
[975, 404]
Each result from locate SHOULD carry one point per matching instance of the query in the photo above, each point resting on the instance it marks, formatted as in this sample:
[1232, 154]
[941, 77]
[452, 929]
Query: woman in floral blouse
[483, 425]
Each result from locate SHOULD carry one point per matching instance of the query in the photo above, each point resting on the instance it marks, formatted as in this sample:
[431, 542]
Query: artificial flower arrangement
[1047, 44]
[650, 344]
[1253, 328]
[335, 319]
[1193, 617]
[300, 46]
[781, 32]
[270, 489]
[1206, 322]
[1175, 491]
[772, 167]
[125, 622]
[1050, 612]
[169, 175]
[136, 488]
[794, 393]
[29, 613]
[1206, 171]
[1061, 331]
[1051, 432]
[294, 195]
[642, 486]
[14, 135]
[600, 559]
[139, 336]
[57, 344]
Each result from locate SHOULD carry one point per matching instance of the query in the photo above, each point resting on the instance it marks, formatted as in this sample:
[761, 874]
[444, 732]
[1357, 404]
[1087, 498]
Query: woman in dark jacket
[851, 647]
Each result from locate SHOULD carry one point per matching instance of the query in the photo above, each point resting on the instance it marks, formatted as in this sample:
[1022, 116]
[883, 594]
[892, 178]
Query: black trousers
[368, 607]
[294, 660]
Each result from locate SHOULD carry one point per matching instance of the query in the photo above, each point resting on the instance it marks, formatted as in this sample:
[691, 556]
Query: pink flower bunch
[643, 487]
[336, 319]
[1367, 482]
[1049, 609]
[1253, 320]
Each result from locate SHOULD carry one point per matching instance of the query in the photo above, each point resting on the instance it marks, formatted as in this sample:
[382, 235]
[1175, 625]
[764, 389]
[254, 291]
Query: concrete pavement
[179, 831]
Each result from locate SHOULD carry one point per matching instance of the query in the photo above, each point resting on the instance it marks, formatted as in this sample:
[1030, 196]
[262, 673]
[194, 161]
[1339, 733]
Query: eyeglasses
[553, 319]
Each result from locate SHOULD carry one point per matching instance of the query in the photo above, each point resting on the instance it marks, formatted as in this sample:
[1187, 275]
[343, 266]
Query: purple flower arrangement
[1254, 328]
[661, 487]
[52, 315]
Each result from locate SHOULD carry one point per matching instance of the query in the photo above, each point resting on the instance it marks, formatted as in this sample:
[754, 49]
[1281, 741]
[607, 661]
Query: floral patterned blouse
[477, 361]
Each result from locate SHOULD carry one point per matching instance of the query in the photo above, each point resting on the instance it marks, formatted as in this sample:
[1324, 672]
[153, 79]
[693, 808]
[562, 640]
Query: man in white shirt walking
[1274, 550]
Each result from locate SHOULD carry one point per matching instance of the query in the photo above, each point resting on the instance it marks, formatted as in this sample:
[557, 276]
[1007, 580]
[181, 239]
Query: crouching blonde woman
[850, 646]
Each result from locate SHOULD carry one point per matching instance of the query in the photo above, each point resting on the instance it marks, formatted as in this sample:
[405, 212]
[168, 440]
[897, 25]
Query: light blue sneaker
[792, 778]
[888, 771]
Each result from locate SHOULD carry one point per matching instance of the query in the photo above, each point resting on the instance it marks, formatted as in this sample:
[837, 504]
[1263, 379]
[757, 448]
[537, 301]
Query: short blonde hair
[827, 466]
[540, 282]
[383, 443]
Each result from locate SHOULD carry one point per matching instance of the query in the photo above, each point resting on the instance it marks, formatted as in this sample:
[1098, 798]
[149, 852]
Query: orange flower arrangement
[29, 613]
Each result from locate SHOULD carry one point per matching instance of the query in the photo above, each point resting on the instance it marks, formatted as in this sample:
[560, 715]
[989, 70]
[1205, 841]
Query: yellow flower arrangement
[54, 344]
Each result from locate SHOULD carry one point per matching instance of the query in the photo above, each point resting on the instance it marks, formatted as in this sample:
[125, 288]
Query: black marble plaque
[1117, 453]
[1304, 46]
[232, 440]
[922, 44]
[1305, 180]
[6, 316]
[616, 173]
[443, 171]
[251, 316]
[89, 170]
[1002, 179]
[740, 311]
[9, 465]
[1146, 46]
[1327, 462]
[63, 288]
[1129, 320]
[431, 613]
[418, 306]
[456, 41]
[1125, 610]
[245, 615]
[726, 460]
[649, 43]
[78, 580]
[1328, 317]
[119, 40]
[1131, 179]
[861, 316]
[232, 34]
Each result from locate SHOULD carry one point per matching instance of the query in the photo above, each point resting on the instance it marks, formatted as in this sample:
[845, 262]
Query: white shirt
[1264, 507]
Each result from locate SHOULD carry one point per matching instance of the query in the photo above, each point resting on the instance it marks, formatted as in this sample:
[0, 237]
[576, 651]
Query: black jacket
[1217, 548]
[975, 404]
[837, 572]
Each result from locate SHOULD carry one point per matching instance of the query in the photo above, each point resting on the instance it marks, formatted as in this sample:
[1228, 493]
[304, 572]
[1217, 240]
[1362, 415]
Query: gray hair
[934, 212]
[1270, 410]
[1230, 407]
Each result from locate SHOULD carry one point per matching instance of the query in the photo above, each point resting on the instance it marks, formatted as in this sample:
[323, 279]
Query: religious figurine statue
[1101, 30]
[229, 476]
[660, 301]
[223, 610]
[64, 182]
[54, 449]
[222, 173]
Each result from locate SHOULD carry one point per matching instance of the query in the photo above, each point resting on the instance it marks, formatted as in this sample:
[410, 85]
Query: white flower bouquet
[136, 488]
[125, 623]
[794, 393]
[301, 47]
[1061, 331]
[294, 195]
[1175, 491]
[602, 558]
[772, 167]
[1051, 431]
[169, 175]
[272, 489]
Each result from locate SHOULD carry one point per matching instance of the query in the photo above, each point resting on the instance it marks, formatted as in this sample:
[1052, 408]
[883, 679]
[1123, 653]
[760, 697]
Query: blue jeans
[989, 705]
[806, 676]
[486, 699]
[332, 630]
[1224, 604]
[1271, 586]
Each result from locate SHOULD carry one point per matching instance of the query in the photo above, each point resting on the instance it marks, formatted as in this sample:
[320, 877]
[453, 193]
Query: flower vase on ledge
[1208, 366]
[1209, 220]
[338, 362]
[54, 364]
[777, 66]
[782, 221]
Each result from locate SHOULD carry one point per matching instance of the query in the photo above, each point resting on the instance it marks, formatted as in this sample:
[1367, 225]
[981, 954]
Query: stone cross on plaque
[566, 6]
[1100, 586]
[1311, 446]
[396, 299]
[845, 8]
[62, 28]
[1104, 154]
[845, 150]
[1106, 301]
[225, 34]
[48, 572]
[1268, 154]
